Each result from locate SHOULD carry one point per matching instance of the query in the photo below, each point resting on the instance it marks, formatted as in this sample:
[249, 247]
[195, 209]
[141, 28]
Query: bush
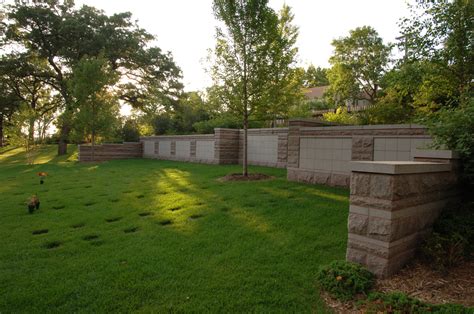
[398, 302]
[341, 116]
[444, 251]
[454, 128]
[343, 280]
[452, 239]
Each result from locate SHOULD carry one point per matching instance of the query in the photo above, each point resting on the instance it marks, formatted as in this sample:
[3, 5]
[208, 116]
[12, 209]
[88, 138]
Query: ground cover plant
[159, 236]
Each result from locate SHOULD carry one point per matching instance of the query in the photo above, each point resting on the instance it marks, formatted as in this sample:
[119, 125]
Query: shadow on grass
[248, 245]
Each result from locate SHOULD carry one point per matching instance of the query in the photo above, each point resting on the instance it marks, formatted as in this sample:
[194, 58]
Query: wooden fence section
[106, 152]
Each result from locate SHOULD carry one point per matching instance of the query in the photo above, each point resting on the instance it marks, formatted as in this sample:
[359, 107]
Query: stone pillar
[192, 151]
[294, 144]
[393, 204]
[363, 148]
[173, 148]
[226, 146]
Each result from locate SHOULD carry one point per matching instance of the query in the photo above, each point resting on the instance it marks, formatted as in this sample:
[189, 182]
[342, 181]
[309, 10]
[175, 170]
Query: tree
[440, 32]
[285, 81]
[97, 107]
[252, 56]
[314, 77]
[61, 35]
[9, 104]
[16, 71]
[358, 64]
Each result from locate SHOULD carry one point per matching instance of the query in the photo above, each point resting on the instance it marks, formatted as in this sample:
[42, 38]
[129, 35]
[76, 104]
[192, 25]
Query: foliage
[305, 109]
[454, 129]
[385, 112]
[130, 131]
[441, 32]
[341, 116]
[315, 77]
[253, 261]
[452, 238]
[225, 120]
[398, 302]
[97, 109]
[60, 35]
[344, 280]
[358, 64]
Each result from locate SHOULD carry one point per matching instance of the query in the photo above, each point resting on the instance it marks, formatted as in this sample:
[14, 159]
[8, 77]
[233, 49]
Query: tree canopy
[60, 35]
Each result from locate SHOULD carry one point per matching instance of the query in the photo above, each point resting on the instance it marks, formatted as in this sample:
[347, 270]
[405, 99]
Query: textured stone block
[358, 223]
[380, 228]
[381, 186]
[360, 184]
[356, 256]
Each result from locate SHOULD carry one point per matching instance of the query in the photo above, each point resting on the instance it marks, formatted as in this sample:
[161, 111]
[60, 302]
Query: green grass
[156, 236]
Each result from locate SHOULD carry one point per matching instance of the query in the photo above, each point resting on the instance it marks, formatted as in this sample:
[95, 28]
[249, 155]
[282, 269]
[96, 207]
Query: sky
[186, 28]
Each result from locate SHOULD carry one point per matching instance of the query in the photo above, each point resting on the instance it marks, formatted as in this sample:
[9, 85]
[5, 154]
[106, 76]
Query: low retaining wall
[106, 152]
[392, 206]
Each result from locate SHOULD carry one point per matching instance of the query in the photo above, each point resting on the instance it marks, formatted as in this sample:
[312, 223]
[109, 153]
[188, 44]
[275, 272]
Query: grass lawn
[155, 236]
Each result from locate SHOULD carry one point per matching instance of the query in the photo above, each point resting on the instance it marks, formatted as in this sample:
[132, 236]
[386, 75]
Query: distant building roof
[315, 92]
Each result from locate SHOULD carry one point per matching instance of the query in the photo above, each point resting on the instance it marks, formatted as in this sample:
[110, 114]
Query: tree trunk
[93, 144]
[1, 130]
[31, 130]
[245, 172]
[63, 136]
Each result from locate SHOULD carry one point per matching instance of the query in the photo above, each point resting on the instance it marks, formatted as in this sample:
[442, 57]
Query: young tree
[253, 54]
[97, 108]
[358, 64]
[285, 81]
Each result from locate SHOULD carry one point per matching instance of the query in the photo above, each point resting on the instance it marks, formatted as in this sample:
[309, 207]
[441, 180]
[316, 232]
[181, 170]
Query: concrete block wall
[328, 163]
[266, 147]
[193, 148]
[393, 205]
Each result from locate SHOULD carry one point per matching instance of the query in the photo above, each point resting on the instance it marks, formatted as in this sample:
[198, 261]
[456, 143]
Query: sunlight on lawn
[40, 155]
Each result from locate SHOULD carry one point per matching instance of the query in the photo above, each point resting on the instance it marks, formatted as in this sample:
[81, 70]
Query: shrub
[398, 302]
[341, 116]
[454, 128]
[452, 239]
[444, 251]
[344, 280]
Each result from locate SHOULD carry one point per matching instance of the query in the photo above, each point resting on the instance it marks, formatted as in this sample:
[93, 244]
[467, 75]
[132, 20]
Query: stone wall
[106, 152]
[393, 204]
[329, 164]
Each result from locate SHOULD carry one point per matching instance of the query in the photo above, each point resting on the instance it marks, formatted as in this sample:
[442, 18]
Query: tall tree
[62, 35]
[9, 103]
[32, 90]
[358, 63]
[441, 32]
[253, 56]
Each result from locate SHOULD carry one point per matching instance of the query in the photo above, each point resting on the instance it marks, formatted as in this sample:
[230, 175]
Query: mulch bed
[249, 177]
[418, 280]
